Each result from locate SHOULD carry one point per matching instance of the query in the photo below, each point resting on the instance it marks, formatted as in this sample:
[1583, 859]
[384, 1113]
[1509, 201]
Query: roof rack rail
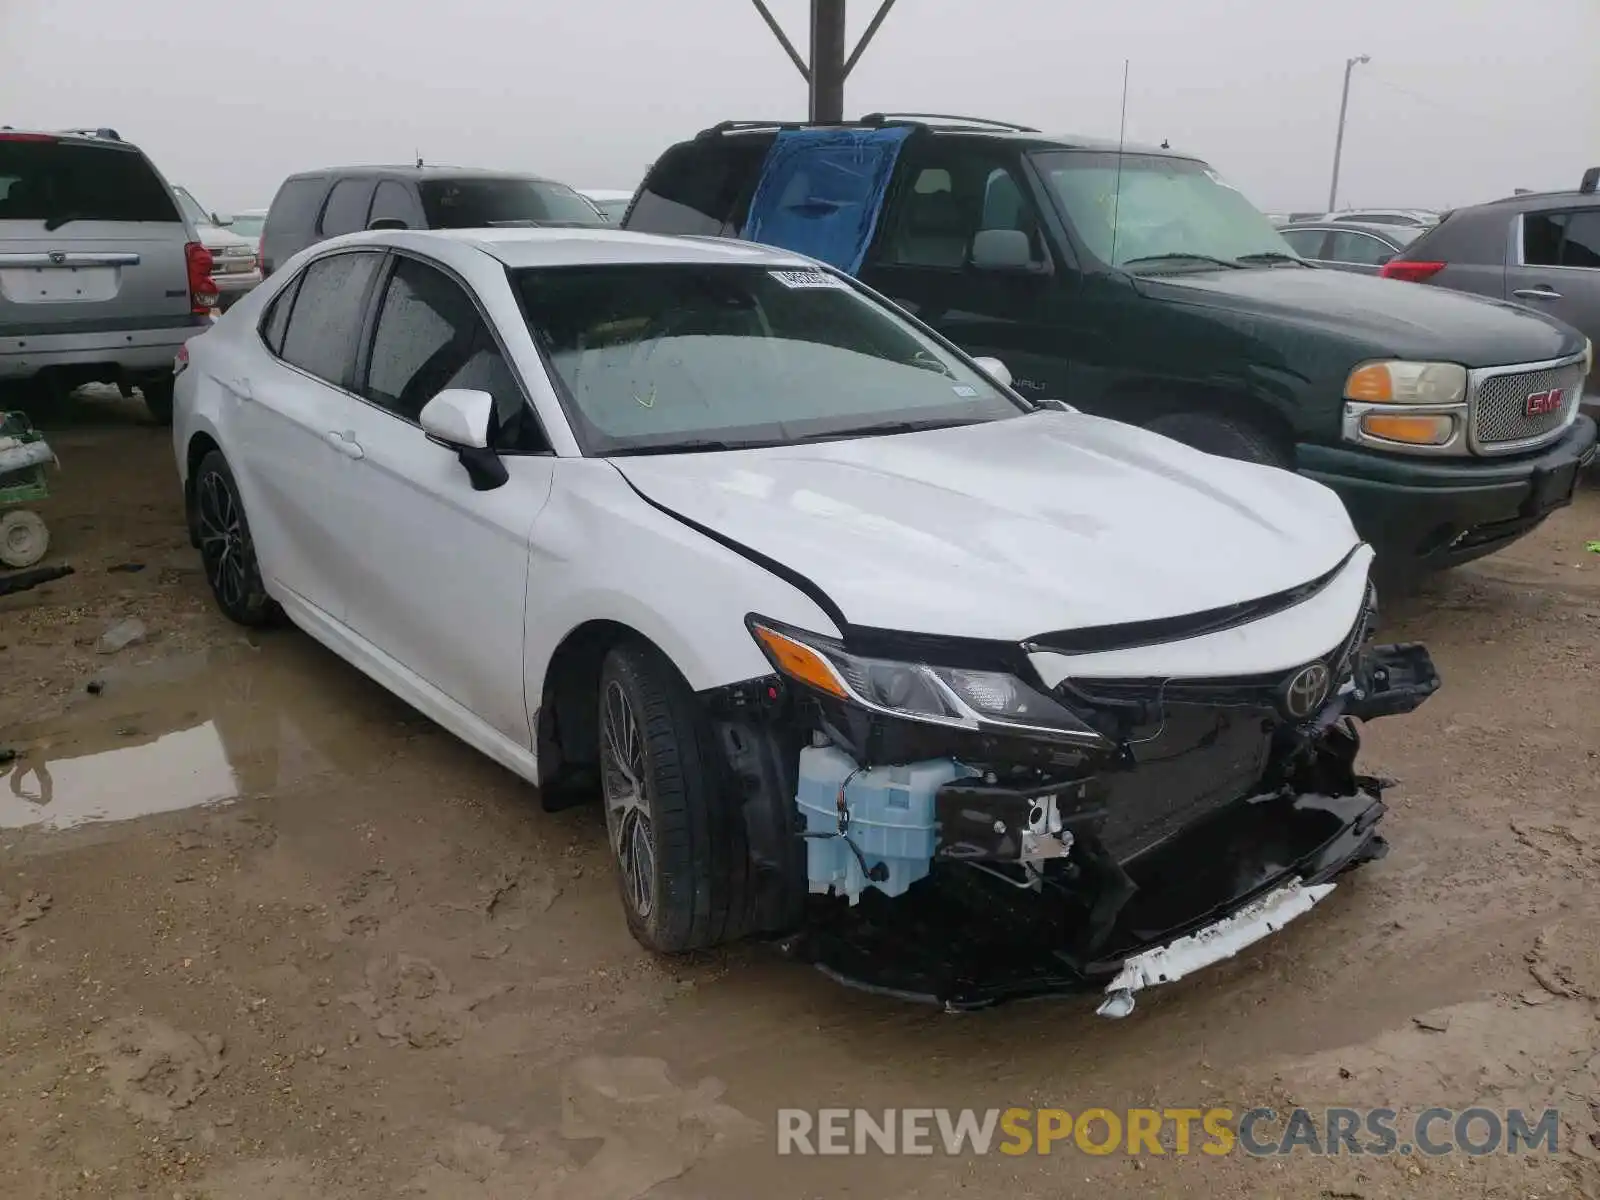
[879, 118]
[104, 133]
[731, 126]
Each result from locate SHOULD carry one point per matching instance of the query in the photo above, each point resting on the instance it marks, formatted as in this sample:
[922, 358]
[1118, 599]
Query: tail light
[180, 361]
[202, 292]
[9, 136]
[1410, 272]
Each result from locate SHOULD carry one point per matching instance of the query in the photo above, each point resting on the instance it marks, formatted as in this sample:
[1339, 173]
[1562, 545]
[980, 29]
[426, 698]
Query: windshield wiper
[694, 446]
[1274, 256]
[1178, 255]
[885, 428]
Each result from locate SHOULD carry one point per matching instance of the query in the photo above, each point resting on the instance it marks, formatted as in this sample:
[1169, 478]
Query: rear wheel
[682, 863]
[1229, 437]
[226, 550]
[158, 398]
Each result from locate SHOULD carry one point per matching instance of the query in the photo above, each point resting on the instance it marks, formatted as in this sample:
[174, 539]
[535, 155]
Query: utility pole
[829, 66]
[1338, 143]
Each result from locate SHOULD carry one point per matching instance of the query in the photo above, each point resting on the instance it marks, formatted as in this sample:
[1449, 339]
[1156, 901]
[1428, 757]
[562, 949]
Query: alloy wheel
[222, 542]
[625, 781]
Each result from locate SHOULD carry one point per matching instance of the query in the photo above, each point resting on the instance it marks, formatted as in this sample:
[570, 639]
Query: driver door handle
[1542, 292]
[345, 444]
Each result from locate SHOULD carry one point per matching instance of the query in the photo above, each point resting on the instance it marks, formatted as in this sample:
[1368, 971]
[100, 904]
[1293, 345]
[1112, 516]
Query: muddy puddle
[193, 730]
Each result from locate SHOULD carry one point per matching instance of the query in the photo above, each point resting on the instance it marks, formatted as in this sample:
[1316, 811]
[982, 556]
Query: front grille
[1500, 415]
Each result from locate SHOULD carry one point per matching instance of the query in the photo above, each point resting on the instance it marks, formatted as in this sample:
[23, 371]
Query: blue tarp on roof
[821, 190]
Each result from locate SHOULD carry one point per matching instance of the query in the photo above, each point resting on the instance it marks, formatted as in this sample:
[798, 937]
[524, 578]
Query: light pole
[1338, 143]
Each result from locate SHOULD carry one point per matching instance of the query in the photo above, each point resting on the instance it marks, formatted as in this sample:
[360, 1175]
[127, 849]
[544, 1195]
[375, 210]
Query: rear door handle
[345, 444]
[1537, 293]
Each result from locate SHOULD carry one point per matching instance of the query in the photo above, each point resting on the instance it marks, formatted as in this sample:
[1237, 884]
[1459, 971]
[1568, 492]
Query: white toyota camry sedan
[961, 696]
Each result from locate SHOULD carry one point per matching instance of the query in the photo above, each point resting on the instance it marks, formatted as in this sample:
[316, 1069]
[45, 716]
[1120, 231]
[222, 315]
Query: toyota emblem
[1307, 691]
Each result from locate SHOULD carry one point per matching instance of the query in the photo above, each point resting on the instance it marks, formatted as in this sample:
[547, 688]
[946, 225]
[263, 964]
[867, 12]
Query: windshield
[477, 203]
[248, 226]
[613, 210]
[657, 357]
[1159, 208]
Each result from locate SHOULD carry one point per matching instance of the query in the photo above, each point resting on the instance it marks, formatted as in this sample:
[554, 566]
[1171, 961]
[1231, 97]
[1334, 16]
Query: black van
[315, 205]
[1136, 283]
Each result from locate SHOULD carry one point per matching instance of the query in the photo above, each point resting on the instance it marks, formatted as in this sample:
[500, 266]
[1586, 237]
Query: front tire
[682, 861]
[227, 551]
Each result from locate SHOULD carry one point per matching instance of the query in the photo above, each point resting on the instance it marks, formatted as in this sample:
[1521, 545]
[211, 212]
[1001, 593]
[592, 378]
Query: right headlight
[957, 697]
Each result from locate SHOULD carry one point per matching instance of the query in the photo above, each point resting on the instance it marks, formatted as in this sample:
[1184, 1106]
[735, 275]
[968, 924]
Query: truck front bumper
[1433, 513]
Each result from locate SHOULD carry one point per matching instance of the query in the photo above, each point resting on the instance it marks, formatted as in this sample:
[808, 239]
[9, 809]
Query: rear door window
[58, 182]
[1561, 239]
[295, 207]
[346, 210]
[327, 314]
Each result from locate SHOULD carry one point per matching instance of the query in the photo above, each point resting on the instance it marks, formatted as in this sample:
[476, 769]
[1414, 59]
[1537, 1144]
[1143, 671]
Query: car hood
[215, 237]
[1386, 316]
[1013, 528]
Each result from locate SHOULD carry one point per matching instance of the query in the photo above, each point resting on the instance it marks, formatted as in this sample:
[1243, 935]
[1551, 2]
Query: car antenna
[1116, 191]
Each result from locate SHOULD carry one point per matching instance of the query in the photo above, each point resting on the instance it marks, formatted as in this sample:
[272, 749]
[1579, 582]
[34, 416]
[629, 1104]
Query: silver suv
[102, 279]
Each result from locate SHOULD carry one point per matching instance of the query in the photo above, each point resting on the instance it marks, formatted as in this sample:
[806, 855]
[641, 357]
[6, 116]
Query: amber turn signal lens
[799, 661]
[1372, 384]
[1413, 430]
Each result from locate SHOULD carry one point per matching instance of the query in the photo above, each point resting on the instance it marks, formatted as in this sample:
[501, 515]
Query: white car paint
[1052, 521]
[371, 538]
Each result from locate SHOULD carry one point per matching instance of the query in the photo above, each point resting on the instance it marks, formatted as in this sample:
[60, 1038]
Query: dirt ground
[267, 934]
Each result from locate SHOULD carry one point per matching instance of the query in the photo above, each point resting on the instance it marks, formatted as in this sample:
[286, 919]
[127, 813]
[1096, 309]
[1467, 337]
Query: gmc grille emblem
[1541, 404]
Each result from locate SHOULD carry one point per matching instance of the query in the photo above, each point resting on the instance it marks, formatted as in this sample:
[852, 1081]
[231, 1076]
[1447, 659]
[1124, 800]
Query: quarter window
[430, 336]
[395, 201]
[326, 318]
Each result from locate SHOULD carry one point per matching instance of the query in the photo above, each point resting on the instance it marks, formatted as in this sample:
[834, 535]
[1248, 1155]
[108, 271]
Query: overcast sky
[1464, 100]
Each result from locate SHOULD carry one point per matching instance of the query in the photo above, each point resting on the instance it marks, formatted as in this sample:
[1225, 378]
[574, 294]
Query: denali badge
[1540, 404]
[1307, 691]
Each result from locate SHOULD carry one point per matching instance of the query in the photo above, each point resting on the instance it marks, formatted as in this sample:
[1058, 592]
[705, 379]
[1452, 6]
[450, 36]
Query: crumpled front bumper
[968, 938]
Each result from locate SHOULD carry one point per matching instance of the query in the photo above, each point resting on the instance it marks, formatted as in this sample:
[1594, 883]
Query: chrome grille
[1500, 414]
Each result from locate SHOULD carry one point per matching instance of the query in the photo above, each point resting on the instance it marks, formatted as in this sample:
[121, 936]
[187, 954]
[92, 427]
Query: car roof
[1534, 201]
[425, 172]
[576, 246]
[75, 137]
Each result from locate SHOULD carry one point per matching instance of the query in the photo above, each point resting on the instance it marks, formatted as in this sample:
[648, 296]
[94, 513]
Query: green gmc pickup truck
[1135, 283]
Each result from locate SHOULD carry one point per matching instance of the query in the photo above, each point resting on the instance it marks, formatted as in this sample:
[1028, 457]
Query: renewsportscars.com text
[1166, 1131]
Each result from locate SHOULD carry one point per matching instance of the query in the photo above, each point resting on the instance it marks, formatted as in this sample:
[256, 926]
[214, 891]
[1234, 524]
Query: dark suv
[315, 205]
[1136, 283]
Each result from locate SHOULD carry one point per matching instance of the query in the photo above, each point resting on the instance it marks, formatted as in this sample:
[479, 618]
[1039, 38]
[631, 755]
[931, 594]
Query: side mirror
[221, 220]
[387, 223]
[1002, 250]
[995, 370]
[460, 419]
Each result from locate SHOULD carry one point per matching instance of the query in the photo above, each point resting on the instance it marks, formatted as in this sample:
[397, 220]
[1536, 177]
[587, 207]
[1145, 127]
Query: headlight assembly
[977, 701]
[1404, 382]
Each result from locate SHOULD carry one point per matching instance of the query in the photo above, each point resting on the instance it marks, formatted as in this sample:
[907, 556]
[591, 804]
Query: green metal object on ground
[24, 537]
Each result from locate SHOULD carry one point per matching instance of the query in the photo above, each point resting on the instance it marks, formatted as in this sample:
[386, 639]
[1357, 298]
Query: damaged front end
[963, 834]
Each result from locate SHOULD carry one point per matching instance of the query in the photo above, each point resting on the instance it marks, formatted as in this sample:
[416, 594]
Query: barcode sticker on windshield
[806, 279]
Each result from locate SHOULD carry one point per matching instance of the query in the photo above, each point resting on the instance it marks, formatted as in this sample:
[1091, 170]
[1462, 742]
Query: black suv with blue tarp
[1136, 283]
